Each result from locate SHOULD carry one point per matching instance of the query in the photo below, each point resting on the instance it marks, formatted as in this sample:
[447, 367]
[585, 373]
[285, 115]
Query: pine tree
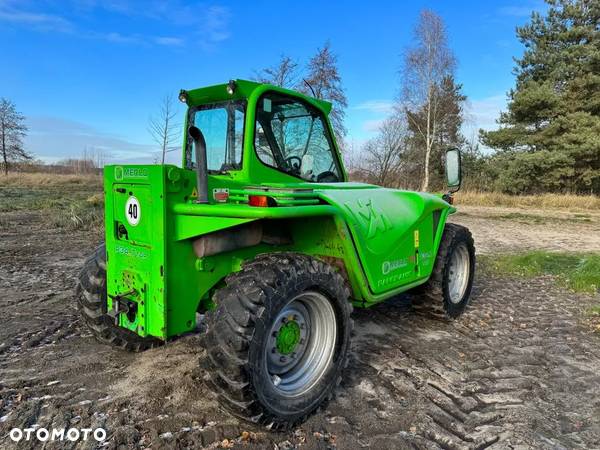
[549, 139]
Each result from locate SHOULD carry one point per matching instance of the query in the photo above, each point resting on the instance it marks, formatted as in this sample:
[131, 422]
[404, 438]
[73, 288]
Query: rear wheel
[451, 281]
[91, 301]
[278, 340]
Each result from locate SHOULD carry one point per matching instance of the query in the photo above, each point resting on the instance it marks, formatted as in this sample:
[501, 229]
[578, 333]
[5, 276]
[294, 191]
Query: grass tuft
[577, 271]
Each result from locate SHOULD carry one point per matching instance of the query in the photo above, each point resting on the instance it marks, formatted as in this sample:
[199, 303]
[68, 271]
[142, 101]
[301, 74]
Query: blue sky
[90, 73]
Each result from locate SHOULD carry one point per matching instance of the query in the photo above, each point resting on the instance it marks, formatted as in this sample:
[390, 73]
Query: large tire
[91, 301]
[248, 344]
[451, 281]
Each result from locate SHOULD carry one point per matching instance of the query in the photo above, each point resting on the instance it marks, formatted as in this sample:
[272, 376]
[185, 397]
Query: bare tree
[12, 132]
[382, 159]
[426, 64]
[163, 128]
[325, 83]
[284, 74]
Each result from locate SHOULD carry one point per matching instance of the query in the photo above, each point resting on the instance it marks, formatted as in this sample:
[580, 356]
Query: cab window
[222, 125]
[293, 137]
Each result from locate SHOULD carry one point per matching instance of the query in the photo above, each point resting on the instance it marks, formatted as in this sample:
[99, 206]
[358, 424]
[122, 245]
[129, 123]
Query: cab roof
[244, 90]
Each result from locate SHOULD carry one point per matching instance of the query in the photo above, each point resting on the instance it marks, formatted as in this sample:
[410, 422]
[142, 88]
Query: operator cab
[263, 127]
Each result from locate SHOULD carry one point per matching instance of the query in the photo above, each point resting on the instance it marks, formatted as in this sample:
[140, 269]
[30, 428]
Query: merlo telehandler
[260, 235]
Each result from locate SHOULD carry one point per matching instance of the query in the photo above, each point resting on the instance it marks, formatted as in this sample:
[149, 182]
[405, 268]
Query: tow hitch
[120, 304]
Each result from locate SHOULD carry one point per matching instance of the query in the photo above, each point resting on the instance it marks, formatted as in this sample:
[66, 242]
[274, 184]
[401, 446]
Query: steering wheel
[295, 167]
[327, 177]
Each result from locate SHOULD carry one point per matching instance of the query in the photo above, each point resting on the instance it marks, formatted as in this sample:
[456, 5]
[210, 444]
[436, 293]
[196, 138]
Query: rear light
[261, 200]
[258, 200]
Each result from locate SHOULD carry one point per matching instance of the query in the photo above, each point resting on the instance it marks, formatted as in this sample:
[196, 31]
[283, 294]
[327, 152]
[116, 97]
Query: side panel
[393, 232]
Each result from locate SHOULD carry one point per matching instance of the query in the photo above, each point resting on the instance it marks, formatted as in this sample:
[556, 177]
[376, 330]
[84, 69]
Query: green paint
[288, 337]
[365, 230]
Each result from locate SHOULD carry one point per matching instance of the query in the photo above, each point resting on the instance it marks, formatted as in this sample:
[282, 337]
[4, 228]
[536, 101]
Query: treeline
[70, 166]
[548, 140]
[408, 149]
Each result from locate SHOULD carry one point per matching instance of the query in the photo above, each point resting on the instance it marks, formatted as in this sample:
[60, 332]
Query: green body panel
[384, 241]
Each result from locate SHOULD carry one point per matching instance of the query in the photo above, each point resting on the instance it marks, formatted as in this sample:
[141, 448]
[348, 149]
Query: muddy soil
[519, 370]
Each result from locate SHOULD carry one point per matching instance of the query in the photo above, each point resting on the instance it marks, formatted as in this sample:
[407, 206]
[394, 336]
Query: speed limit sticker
[133, 211]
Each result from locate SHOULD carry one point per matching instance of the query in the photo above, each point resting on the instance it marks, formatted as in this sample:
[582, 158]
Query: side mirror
[453, 169]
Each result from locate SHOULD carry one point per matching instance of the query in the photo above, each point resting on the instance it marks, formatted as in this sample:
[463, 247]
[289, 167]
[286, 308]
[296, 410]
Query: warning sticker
[221, 195]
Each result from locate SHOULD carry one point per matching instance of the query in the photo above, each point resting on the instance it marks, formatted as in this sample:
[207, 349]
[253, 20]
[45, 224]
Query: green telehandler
[261, 236]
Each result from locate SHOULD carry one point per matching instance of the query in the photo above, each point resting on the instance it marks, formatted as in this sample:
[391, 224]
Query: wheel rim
[301, 343]
[458, 273]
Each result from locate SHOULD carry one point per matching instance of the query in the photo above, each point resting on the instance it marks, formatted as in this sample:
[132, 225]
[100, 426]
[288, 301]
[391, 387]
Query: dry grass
[49, 179]
[72, 202]
[543, 201]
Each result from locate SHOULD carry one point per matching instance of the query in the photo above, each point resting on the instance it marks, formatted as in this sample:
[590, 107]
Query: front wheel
[278, 341]
[451, 281]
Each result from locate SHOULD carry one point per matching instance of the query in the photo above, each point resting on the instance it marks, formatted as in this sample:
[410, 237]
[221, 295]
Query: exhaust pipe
[201, 164]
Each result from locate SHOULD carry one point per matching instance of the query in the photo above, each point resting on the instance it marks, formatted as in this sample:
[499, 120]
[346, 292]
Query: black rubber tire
[436, 288]
[91, 302]
[234, 362]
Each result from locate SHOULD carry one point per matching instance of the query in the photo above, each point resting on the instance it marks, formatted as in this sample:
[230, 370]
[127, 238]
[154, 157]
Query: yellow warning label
[194, 193]
[416, 238]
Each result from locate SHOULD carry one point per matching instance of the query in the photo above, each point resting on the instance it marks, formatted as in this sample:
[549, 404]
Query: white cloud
[216, 20]
[515, 11]
[119, 38]
[166, 40]
[55, 138]
[206, 25]
[376, 106]
[483, 113]
[522, 10]
[373, 125]
[10, 11]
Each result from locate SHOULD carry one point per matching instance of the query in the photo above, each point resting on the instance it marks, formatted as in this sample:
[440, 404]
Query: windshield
[292, 136]
[222, 125]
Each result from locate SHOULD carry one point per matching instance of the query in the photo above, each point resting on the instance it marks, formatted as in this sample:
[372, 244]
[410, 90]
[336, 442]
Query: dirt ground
[519, 370]
[499, 230]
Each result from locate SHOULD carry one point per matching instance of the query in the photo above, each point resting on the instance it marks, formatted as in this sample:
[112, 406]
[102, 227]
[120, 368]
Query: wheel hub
[288, 337]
